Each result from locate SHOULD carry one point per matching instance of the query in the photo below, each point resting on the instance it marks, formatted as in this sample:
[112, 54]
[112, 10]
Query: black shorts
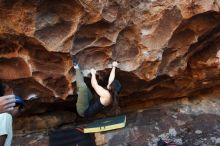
[95, 107]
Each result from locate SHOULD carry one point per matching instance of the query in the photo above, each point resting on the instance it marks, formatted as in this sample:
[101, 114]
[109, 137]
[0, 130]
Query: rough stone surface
[183, 121]
[166, 50]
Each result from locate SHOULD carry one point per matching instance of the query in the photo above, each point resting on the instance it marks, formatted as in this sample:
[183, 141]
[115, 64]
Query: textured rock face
[194, 122]
[166, 49]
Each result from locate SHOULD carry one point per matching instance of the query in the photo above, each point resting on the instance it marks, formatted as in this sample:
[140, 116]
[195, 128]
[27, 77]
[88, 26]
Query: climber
[7, 103]
[87, 105]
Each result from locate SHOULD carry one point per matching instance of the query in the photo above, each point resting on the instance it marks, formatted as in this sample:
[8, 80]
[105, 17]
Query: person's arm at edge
[7, 103]
[99, 89]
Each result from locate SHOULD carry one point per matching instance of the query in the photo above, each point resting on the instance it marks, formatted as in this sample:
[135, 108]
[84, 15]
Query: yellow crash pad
[106, 124]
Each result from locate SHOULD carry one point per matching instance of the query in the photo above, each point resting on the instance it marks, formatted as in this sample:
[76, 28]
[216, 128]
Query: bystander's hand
[7, 103]
[218, 59]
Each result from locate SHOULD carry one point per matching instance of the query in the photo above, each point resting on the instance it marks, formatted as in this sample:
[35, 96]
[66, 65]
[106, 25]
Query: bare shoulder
[105, 93]
[106, 99]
